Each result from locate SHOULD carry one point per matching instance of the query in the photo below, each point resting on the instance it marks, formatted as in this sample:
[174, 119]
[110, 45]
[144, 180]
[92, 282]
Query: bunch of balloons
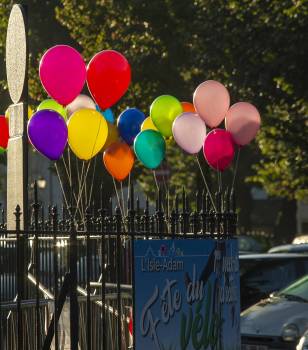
[242, 122]
[69, 117]
[88, 126]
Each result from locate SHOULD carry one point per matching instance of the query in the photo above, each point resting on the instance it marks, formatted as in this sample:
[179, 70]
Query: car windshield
[297, 291]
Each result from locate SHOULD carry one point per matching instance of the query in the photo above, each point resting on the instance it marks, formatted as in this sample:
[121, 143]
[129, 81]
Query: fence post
[74, 312]
[88, 288]
[54, 214]
[35, 211]
[118, 218]
[20, 278]
[103, 215]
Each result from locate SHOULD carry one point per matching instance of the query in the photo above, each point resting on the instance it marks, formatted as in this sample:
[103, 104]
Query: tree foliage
[256, 48]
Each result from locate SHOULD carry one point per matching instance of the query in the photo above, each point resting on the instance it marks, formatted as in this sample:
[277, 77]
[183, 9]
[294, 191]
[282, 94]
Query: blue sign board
[187, 295]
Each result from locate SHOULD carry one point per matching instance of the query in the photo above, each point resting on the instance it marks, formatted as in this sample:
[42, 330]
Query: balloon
[108, 77]
[80, 102]
[113, 135]
[87, 133]
[7, 113]
[62, 73]
[163, 111]
[2, 150]
[188, 107]
[189, 132]
[47, 132]
[4, 132]
[30, 112]
[54, 106]
[212, 101]
[107, 114]
[243, 121]
[218, 149]
[119, 160]
[148, 124]
[129, 124]
[150, 148]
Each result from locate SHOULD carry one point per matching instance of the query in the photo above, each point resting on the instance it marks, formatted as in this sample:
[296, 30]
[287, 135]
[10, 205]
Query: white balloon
[80, 102]
[189, 132]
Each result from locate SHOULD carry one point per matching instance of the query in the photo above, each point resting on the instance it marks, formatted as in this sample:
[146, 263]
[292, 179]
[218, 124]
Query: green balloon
[2, 150]
[54, 106]
[150, 148]
[163, 111]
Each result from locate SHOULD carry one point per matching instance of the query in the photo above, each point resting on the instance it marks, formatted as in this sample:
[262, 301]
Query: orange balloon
[119, 160]
[188, 107]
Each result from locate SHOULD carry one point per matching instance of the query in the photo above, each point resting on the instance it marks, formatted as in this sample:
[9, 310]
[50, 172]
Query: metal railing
[67, 283]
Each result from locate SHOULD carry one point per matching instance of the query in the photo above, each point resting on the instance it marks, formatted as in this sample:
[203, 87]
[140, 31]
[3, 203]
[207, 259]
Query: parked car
[279, 321]
[300, 239]
[248, 245]
[263, 274]
[290, 248]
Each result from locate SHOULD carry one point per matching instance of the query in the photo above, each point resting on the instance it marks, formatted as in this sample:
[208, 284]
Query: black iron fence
[66, 283]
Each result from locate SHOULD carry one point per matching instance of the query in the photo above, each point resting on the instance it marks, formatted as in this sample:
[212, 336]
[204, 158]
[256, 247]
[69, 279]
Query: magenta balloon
[243, 121]
[47, 132]
[189, 132]
[218, 149]
[211, 101]
[62, 73]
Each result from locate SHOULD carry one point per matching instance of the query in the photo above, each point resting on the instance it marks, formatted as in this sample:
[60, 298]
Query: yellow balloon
[30, 113]
[148, 124]
[87, 133]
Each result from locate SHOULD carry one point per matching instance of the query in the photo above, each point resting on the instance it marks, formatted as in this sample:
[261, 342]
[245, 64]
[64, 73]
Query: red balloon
[108, 77]
[218, 149]
[4, 132]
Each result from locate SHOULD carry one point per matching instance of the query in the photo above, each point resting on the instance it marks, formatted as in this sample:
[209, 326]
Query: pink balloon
[211, 101]
[62, 73]
[243, 121]
[218, 149]
[189, 132]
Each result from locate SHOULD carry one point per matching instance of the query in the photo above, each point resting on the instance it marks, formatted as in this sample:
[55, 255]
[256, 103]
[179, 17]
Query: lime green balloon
[163, 111]
[54, 106]
[150, 148]
[2, 150]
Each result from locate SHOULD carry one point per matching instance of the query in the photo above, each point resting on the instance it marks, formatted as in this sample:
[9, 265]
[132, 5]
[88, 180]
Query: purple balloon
[47, 132]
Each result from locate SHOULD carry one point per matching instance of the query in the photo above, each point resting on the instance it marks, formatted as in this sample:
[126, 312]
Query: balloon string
[119, 203]
[205, 183]
[69, 180]
[164, 180]
[84, 178]
[61, 184]
[83, 185]
[70, 173]
[236, 167]
[80, 176]
[155, 179]
[128, 191]
[122, 194]
[220, 181]
[79, 185]
[92, 182]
